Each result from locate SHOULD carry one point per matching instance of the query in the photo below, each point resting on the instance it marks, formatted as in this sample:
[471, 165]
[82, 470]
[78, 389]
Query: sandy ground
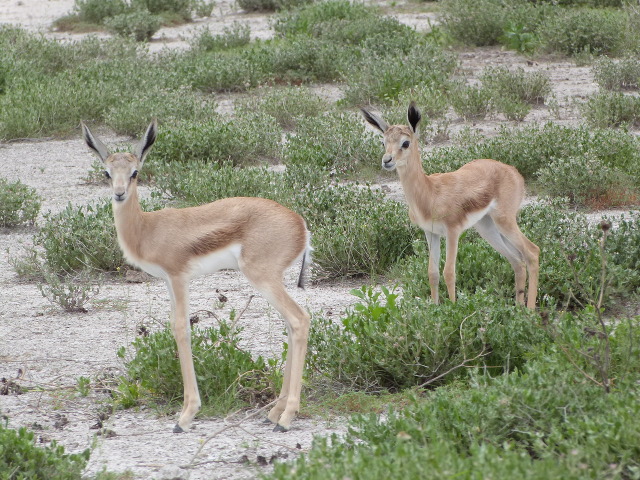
[49, 349]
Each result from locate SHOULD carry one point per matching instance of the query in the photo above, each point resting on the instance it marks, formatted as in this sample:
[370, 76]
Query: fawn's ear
[94, 143]
[413, 115]
[375, 120]
[147, 141]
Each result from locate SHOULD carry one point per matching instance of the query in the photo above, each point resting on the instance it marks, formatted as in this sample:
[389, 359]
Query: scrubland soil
[44, 350]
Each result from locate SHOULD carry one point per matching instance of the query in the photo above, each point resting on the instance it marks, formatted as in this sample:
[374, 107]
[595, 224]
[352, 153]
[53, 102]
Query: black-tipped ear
[94, 143]
[147, 141]
[413, 115]
[375, 120]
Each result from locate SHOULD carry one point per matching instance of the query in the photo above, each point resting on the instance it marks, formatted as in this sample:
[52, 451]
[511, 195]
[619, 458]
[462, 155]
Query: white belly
[439, 227]
[225, 258]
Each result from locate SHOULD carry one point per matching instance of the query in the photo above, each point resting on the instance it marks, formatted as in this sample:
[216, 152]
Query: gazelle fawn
[259, 237]
[484, 194]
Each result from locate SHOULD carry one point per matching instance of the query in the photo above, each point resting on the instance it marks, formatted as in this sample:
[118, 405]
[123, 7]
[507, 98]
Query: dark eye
[134, 174]
[106, 174]
[405, 144]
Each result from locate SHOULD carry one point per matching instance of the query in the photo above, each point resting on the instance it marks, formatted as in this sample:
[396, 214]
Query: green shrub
[97, 11]
[288, 106]
[245, 140]
[20, 457]
[385, 77]
[570, 261]
[612, 109]
[577, 31]
[617, 75]
[236, 35]
[71, 292]
[592, 182]
[531, 87]
[80, 238]
[471, 102]
[545, 420]
[385, 344]
[180, 8]
[533, 147]
[227, 376]
[19, 203]
[334, 142]
[139, 24]
[306, 18]
[483, 22]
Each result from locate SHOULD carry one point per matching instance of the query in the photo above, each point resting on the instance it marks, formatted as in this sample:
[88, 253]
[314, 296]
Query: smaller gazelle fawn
[259, 237]
[484, 194]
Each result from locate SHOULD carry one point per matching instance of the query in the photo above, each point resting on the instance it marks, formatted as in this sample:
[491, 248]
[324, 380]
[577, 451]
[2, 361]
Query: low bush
[530, 88]
[233, 36]
[244, 140]
[139, 25]
[471, 103]
[288, 106]
[384, 78]
[578, 31]
[617, 75]
[387, 344]
[228, 377]
[612, 109]
[71, 292]
[80, 238]
[19, 203]
[306, 18]
[337, 142]
[20, 457]
[570, 261]
[97, 11]
[592, 182]
[180, 8]
[543, 421]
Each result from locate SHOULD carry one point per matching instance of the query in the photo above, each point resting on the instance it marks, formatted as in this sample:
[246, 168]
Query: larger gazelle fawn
[259, 237]
[484, 194]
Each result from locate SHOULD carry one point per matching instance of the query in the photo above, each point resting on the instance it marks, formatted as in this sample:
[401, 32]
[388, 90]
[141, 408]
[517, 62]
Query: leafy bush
[80, 238]
[244, 140]
[21, 458]
[19, 203]
[612, 109]
[471, 102]
[544, 421]
[385, 344]
[528, 87]
[236, 35]
[533, 147]
[306, 18]
[483, 22]
[181, 8]
[227, 375]
[592, 182]
[576, 31]
[385, 77]
[617, 75]
[71, 292]
[139, 24]
[334, 142]
[570, 261]
[97, 11]
[288, 106]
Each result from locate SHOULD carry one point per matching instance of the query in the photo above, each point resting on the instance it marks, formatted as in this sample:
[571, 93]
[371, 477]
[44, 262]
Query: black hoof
[280, 428]
[266, 420]
[178, 429]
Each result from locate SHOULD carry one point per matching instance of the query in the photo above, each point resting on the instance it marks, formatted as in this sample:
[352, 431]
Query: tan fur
[261, 237]
[445, 204]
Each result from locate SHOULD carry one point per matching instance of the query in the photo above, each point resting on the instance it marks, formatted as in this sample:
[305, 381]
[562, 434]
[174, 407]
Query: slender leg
[510, 230]
[488, 230]
[433, 241]
[297, 321]
[182, 333]
[450, 263]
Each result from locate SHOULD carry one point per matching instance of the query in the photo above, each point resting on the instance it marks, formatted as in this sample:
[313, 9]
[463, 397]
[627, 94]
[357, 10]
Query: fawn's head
[399, 140]
[122, 168]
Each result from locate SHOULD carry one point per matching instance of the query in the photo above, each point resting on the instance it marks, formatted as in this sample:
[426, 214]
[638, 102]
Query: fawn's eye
[405, 144]
[106, 174]
[134, 174]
